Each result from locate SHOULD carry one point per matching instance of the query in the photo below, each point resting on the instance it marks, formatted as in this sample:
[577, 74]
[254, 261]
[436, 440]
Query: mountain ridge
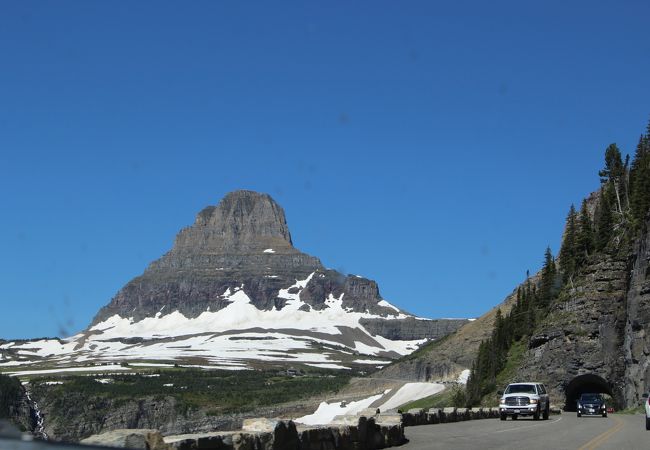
[234, 291]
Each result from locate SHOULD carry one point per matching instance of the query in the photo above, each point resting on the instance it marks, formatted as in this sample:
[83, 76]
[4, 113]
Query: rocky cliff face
[636, 342]
[14, 404]
[580, 343]
[75, 418]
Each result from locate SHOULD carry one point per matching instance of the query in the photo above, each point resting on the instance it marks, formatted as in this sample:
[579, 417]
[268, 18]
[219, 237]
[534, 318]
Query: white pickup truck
[524, 399]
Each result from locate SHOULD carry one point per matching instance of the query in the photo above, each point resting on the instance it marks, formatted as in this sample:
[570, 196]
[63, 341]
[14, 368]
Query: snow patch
[327, 411]
[385, 304]
[327, 366]
[463, 377]
[411, 392]
[150, 365]
[370, 361]
[113, 367]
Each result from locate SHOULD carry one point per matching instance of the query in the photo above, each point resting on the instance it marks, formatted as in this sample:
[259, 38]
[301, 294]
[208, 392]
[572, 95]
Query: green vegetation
[449, 397]
[621, 210]
[10, 392]
[513, 361]
[219, 391]
[635, 410]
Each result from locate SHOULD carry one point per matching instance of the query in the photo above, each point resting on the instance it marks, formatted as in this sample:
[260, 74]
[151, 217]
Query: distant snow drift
[409, 392]
[231, 338]
[327, 411]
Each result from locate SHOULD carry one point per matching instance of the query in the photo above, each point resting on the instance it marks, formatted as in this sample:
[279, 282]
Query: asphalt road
[564, 431]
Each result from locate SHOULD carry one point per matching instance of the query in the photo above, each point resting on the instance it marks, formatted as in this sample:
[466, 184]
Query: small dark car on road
[592, 405]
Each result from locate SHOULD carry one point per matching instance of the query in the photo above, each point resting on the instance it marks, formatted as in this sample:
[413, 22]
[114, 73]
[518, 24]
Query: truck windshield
[520, 389]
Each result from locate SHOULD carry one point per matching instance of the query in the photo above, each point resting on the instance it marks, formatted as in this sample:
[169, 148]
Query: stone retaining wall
[416, 417]
[346, 433]
[368, 431]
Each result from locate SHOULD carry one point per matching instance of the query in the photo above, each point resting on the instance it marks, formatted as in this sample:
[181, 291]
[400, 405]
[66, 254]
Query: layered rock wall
[637, 327]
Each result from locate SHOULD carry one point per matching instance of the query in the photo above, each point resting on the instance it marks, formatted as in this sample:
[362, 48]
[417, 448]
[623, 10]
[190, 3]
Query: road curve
[565, 431]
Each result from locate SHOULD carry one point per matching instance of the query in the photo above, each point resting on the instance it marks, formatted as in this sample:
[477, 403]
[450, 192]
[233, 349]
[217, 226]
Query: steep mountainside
[580, 325]
[446, 358]
[14, 403]
[234, 292]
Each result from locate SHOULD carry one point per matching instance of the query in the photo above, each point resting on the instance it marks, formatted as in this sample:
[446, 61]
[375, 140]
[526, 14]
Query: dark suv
[592, 404]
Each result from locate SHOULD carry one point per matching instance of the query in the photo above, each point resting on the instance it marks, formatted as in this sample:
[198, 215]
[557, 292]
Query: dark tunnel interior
[584, 384]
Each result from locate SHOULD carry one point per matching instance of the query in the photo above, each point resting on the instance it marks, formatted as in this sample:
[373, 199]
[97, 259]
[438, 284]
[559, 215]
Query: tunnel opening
[584, 384]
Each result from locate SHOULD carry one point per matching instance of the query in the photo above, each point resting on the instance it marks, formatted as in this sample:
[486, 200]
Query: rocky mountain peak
[242, 221]
[246, 216]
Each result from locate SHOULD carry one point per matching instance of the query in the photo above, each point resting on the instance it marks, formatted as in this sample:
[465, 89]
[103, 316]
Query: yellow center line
[537, 424]
[603, 437]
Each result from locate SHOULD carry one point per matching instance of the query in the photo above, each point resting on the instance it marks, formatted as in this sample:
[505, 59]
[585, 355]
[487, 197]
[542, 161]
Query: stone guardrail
[345, 433]
[415, 417]
[368, 430]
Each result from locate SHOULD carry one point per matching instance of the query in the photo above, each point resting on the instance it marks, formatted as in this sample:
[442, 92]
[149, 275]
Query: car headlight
[533, 401]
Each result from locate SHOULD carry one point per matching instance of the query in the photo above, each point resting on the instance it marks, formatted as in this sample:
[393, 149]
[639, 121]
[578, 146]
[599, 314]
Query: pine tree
[613, 173]
[569, 249]
[585, 239]
[548, 279]
[604, 221]
[640, 181]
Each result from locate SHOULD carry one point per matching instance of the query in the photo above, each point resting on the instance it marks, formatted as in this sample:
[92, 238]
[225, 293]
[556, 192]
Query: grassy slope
[440, 400]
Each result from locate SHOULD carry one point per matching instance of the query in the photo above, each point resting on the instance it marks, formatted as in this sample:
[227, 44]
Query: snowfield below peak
[232, 337]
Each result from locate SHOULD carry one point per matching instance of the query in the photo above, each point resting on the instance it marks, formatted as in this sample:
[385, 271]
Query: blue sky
[433, 147]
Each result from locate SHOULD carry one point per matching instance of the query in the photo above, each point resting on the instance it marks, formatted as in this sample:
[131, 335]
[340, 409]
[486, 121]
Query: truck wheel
[536, 414]
[579, 414]
[545, 415]
[647, 423]
[502, 416]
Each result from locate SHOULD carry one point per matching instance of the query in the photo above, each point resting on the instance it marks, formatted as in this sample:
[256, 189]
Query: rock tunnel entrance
[585, 384]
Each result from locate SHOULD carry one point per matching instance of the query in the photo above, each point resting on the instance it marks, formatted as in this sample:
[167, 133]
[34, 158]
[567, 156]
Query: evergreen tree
[640, 182]
[569, 249]
[585, 239]
[613, 173]
[548, 280]
[604, 221]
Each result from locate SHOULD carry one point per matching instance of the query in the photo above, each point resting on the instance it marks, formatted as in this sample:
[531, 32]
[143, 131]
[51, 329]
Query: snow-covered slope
[234, 336]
